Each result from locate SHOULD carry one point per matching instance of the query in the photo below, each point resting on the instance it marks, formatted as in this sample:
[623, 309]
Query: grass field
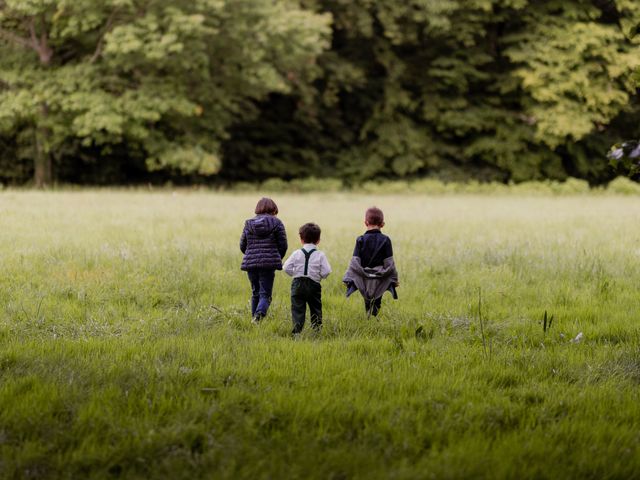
[126, 348]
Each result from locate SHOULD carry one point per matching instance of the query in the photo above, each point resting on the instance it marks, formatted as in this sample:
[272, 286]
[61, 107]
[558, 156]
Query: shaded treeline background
[128, 91]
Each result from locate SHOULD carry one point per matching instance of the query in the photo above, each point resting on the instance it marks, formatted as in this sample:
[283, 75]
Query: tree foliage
[164, 78]
[494, 89]
[506, 90]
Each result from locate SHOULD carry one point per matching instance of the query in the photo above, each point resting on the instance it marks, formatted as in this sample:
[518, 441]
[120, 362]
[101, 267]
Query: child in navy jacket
[372, 270]
[264, 244]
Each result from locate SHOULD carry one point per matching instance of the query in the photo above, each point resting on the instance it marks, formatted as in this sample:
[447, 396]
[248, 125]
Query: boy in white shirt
[308, 266]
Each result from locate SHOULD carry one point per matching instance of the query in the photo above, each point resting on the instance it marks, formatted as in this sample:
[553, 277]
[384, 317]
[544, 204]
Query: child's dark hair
[266, 206]
[309, 233]
[374, 216]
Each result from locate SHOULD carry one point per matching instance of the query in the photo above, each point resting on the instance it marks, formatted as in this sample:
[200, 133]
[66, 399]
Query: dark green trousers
[305, 291]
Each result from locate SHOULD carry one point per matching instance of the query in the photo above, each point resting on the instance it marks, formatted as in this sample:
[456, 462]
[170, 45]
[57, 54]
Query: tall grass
[126, 348]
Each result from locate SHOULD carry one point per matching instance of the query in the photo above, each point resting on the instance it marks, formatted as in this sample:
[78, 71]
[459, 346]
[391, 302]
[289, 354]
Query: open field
[126, 348]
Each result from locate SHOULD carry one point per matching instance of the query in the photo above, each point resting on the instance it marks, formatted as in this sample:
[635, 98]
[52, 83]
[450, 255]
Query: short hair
[266, 205]
[310, 233]
[374, 216]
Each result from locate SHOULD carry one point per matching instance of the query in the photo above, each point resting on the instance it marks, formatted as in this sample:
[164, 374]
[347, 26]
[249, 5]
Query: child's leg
[372, 306]
[298, 304]
[377, 303]
[254, 278]
[368, 305]
[315, 304]
[267, 278]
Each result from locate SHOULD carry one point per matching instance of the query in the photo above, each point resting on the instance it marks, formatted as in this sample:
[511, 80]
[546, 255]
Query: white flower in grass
[125, 253]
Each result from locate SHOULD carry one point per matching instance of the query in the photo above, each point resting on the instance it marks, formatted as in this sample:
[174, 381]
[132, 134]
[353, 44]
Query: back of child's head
[374, 217]
[310, 233]
[266, 206]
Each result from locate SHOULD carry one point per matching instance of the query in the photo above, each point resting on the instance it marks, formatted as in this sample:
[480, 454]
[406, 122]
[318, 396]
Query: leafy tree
[165, 78]
[506, 90]
[494, 89]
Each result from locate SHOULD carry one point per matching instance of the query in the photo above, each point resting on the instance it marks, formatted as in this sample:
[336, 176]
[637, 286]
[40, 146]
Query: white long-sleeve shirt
[318, 268]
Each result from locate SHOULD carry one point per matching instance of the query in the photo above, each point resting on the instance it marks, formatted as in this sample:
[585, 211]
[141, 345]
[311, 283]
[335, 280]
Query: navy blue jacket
[373, 248]
[263, 242]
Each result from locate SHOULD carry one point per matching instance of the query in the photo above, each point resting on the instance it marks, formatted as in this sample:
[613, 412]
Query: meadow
[126, 348]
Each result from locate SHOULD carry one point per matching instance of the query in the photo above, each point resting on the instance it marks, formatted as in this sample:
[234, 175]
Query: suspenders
[307, 255]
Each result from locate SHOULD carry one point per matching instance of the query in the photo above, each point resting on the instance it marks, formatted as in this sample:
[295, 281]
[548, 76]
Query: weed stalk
[484, 340]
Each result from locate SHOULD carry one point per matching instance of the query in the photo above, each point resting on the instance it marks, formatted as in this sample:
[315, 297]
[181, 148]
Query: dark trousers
[372, 306]
[261, 289]
[305, 291]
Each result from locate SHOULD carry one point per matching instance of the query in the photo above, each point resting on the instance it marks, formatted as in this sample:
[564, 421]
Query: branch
[105, 30]
[41, 45]
[34, 35]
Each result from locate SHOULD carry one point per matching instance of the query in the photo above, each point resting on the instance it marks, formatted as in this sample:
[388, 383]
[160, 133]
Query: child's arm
[243, 240]
[281, 240]
[356, 249]
[289, 266]
[388, 248]
[389, 252]
[325, 267]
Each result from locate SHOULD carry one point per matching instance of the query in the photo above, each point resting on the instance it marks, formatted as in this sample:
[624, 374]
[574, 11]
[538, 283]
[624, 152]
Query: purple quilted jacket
[263, 242]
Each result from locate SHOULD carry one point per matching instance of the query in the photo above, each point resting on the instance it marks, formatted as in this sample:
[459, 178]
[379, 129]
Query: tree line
[121, 91]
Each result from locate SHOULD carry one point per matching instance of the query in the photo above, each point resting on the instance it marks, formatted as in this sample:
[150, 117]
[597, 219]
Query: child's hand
[397, 284]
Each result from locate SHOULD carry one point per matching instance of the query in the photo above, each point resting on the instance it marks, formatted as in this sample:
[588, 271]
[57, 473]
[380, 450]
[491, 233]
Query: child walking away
[264, 244]
[308, 266]
[372, 270]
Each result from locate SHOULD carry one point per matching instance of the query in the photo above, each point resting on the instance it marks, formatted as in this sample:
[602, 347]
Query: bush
[275, 185]
[431, 186]
[243, 187]
[385, 187]
[475, 187]
[623, 186]
[313, 184]
[571, 186]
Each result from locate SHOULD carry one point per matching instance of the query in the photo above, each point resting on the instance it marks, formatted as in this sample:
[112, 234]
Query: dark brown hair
[266, 205]
[309, 233]
[374, 216]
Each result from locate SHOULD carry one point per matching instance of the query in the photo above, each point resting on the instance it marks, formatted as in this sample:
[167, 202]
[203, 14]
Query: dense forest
[129, 91]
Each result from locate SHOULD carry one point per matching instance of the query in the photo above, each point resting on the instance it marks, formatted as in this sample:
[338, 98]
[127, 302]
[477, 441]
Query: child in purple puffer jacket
[264, 244]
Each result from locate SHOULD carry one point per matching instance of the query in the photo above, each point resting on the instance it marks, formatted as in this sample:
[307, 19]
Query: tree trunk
[43, 166]
[42, 175]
